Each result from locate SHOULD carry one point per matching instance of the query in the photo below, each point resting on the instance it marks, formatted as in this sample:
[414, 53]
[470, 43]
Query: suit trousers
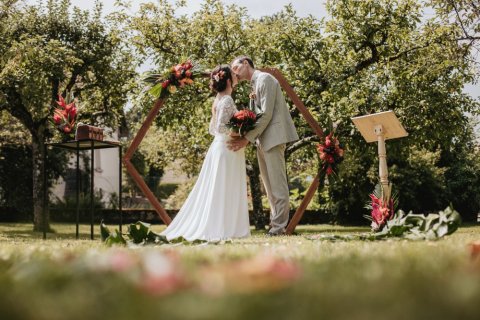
[274, 176]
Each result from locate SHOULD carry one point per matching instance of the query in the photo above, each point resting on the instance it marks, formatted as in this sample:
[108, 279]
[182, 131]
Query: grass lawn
[254, 278]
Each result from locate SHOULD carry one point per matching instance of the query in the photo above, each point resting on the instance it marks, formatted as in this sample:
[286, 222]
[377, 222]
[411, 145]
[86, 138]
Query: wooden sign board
[392, 128]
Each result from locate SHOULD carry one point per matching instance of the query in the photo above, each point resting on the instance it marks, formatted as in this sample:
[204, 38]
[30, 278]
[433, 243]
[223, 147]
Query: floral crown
[219, 75]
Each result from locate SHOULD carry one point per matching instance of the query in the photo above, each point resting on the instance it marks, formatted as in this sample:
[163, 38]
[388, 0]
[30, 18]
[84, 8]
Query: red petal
[474, 249]
[61, 101]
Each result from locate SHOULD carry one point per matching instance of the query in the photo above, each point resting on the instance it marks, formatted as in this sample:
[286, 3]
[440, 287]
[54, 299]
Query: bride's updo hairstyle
[219, 77]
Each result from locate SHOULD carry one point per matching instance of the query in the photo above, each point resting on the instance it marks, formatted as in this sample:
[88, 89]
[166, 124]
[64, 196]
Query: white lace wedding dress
[216, 208]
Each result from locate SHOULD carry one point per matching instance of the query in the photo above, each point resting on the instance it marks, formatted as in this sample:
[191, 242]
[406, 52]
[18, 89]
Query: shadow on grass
[470, 225]
[62, 231]
[25, 231]
[321, 228]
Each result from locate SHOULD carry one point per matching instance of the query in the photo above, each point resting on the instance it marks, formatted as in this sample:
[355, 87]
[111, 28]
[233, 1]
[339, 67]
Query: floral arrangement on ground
[388, 224]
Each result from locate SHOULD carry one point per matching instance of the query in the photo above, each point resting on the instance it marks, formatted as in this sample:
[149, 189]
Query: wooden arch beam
[318, 131]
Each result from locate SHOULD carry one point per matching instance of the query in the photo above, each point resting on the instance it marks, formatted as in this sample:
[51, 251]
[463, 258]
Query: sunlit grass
[393, 279]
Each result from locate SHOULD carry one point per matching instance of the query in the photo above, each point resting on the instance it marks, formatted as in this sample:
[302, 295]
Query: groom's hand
[234, 135]
[237, 143]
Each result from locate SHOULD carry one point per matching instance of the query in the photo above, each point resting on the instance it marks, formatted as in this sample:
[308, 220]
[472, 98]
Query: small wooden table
[80, 145]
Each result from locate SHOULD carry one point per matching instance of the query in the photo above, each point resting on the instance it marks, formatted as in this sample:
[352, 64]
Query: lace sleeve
[225, 111]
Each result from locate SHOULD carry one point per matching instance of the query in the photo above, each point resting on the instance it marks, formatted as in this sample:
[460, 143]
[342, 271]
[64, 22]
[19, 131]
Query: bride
[217, 207]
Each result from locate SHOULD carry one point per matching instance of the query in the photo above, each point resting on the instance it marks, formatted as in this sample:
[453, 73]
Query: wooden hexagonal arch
[153, 113]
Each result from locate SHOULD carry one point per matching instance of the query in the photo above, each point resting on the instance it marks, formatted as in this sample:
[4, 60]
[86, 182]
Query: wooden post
[303, 205]
[382, 162]
[134, 173]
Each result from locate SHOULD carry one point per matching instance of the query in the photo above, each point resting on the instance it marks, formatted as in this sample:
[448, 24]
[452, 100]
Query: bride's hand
[237, 144]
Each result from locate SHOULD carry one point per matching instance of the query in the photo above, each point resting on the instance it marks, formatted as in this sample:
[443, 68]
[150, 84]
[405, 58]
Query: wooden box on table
[87, 132]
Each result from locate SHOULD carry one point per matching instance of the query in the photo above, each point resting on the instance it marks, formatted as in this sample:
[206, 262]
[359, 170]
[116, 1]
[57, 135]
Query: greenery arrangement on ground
[408, 226]
[140, 233]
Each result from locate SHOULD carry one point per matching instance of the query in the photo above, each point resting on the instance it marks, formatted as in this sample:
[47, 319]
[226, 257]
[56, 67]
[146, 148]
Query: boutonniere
[252, 95]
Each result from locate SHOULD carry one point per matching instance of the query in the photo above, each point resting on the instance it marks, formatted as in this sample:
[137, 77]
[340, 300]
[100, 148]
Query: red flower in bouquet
[244, 115]
[177, 76]
[64, 117]
[243, 121]
[330, 153]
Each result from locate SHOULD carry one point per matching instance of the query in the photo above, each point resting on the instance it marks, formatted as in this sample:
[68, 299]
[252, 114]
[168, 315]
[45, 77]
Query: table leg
[120, 186]
[45, 193]
[77, 218]
[92, 176]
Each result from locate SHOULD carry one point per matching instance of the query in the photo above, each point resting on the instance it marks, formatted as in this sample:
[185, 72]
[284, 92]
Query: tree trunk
[259, 218]
[38, 152]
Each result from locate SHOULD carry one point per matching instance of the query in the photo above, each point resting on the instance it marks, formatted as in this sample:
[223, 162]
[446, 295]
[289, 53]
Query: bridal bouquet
[243, 121]
[64, 117]
[176, 77]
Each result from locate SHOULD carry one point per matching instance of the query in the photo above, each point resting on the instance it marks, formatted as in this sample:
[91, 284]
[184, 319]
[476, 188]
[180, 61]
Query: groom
[273, 130]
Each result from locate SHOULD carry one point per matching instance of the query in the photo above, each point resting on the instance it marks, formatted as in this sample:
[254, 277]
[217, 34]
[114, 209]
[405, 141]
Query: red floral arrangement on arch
[331, 153]
[64, 117]
[176, 77]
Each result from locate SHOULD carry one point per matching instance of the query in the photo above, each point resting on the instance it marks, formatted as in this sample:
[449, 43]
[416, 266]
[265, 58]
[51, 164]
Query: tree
[369, 56]
[374, 56]
[50, 49]
[15, 192]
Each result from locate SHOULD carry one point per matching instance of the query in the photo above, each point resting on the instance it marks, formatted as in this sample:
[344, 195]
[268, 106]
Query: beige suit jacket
[276, 125]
